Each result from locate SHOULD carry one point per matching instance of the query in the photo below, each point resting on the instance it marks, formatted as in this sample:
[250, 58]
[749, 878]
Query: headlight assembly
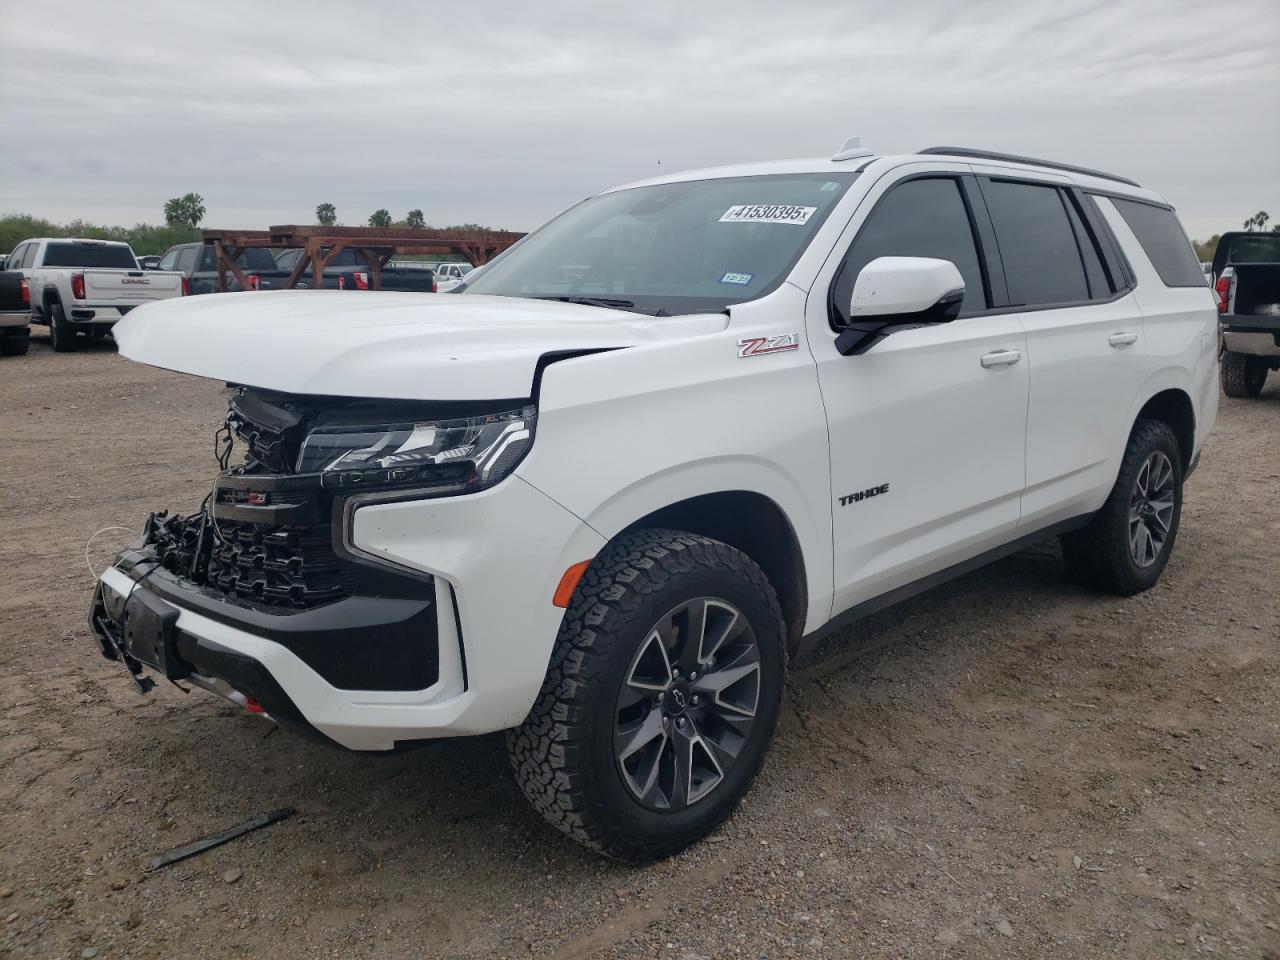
[463, 454]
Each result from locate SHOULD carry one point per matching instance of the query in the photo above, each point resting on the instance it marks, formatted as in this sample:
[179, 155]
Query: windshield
[671, 248]
[89, 255]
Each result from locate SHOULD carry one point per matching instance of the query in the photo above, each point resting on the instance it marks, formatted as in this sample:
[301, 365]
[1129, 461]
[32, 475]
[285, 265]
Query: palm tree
[326, 214]
[187, 210]
[380, 218]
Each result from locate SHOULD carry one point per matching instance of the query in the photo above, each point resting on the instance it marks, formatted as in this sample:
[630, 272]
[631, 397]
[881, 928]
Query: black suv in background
[198, 265]
[349, 270]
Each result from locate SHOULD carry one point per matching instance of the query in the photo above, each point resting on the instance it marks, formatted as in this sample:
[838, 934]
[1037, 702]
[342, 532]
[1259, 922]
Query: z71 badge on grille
[758, 346]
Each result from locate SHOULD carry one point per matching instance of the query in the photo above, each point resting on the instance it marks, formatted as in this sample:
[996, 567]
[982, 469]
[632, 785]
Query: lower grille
[295, 566]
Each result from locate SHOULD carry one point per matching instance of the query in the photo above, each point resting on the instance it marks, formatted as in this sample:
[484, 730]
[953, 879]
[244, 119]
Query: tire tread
[1098, 555]
[1240, 375]
[549, 750]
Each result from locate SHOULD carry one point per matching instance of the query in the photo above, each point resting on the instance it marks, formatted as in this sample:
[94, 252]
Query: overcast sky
[504, 113]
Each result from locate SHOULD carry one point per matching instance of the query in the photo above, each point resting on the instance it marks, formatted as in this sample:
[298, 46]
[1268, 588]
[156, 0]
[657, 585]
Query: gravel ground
[1009, 766]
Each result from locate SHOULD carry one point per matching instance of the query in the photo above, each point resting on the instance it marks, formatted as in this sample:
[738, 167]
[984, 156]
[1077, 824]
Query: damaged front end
[267, 551]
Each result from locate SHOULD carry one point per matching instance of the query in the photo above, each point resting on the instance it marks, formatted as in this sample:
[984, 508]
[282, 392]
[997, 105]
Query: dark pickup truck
[15, 313]
[1246, 281]
[198, 265]
[349, 270]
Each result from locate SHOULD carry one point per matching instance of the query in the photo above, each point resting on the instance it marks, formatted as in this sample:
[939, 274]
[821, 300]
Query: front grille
[293, 566]
[264, 539]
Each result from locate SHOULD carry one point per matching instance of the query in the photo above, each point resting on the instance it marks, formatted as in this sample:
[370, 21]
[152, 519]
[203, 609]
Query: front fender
[626, 433]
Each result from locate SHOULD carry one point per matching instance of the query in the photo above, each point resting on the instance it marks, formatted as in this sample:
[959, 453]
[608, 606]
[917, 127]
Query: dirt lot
[1009, 766]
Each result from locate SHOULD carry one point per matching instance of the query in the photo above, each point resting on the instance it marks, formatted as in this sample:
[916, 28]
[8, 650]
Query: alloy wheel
[1151, 509]
[687, 704]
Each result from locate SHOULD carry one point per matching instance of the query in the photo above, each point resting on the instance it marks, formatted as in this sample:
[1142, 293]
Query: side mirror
[894, 292]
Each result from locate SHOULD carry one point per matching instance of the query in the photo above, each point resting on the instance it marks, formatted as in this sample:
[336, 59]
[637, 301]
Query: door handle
[1122, 339]
[1001, 358]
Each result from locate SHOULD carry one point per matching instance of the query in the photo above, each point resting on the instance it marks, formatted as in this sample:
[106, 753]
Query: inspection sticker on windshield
[768, 213]
[741, 279]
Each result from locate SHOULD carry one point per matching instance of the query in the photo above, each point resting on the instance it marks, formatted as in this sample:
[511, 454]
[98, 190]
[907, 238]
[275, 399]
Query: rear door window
[187, 259]
[1038, 247]
[1163, 241]
[1099, 286]
[918, 218]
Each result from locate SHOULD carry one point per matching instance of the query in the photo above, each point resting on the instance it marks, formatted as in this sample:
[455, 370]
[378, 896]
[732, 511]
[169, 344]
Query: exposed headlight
[468, 454]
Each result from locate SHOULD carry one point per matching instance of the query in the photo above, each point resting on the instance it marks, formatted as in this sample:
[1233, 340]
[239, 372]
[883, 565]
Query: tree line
[182, 216]
[327, 216]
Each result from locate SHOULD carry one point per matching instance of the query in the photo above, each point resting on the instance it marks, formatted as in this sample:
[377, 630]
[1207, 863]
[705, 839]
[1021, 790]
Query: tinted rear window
[1041, 257]
[348, 258]
[255, 258]
[1163, 241]
[88, 255]
[1259, 248]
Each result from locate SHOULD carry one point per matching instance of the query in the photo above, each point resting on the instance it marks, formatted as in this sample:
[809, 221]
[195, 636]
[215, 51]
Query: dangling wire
[89, 543]
[223, 443]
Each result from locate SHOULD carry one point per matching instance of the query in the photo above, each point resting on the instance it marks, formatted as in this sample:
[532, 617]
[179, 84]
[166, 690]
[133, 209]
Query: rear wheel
[1242, 375]
[1127, 544]
[62, 335]
[14, 346]
[661, 697]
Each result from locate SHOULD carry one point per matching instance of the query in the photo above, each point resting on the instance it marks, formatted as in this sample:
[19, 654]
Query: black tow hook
[111, 642]
[140, 680]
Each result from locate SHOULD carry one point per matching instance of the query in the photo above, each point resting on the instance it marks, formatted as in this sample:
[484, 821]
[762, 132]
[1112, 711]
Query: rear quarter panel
[1180, 328]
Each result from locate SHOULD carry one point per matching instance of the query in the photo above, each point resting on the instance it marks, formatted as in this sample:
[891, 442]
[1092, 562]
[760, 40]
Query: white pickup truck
[86, 285]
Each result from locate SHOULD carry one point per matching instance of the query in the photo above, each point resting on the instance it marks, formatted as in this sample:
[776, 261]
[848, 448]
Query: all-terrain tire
[62, 335]
[1242, 375]
[14, 346]
[563, 755]
[1100, 554]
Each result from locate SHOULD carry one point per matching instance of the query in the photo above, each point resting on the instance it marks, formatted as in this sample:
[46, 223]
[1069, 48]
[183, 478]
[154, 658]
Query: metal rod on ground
[218, 839]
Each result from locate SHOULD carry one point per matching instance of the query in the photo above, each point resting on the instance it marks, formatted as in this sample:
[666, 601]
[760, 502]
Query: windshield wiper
[591, 301]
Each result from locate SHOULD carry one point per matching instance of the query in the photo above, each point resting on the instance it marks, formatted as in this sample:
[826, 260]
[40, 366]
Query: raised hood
[381, 344]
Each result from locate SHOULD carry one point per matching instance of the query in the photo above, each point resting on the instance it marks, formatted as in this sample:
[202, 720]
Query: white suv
[659, 447]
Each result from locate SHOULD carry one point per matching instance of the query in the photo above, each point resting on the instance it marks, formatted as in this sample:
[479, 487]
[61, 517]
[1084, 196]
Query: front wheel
[62, 335]
[661, 697]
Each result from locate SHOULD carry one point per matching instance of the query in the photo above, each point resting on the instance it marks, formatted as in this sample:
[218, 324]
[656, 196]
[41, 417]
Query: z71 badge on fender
[759, 346]
[864, 494]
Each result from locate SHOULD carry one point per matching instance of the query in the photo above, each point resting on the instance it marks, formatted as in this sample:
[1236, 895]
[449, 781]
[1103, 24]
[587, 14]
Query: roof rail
[1013, 158]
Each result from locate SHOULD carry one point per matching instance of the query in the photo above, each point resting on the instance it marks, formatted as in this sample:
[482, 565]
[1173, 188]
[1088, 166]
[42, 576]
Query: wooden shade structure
[320, 245]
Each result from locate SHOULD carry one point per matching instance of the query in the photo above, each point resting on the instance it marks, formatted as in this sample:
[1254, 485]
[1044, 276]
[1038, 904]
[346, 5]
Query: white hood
[381, 344]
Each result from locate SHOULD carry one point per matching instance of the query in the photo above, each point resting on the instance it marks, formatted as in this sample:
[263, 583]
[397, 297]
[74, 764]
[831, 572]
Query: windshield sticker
[830, 186]
[768, 213]
[742, 279]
